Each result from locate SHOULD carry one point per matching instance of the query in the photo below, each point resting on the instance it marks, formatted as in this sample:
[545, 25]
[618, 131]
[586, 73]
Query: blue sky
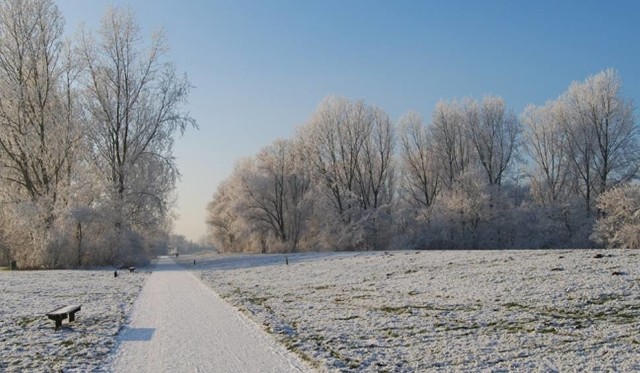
[261, 67]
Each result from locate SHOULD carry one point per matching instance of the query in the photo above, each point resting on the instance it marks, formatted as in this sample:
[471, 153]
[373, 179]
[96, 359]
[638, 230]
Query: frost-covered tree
[419, 165]
[39, 130]
[86, 136]
[223, 220]
[494, 133]
[133, 101]
[376, 169]
[451, 142]
[546, 145]
[260, 207]
[475, 145]
[556, 215]
[602, 135]
[334, 139]
[349, 146]
[580, 145]
[275, 185]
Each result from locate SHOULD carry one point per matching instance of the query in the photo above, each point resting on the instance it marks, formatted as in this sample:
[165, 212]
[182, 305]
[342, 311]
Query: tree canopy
[476, 177]
[86, 138]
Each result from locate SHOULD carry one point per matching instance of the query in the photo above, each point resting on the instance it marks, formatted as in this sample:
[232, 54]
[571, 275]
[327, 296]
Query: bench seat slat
[62, 313]
[64, 310]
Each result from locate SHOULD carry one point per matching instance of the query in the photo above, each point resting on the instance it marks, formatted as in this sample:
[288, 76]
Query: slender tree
[494, 132]
[420, 166]
[451, 142]
[133, 100]
[376, 169]
[546, 145]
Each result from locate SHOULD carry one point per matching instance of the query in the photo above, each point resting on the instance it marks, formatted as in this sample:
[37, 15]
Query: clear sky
[261, 67]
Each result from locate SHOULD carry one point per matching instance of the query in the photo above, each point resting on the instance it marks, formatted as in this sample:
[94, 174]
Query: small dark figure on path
[115, 273]
[194, 262]
[176, 255]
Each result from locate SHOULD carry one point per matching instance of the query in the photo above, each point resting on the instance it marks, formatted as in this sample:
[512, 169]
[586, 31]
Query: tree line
[87, 125]
[476, 176]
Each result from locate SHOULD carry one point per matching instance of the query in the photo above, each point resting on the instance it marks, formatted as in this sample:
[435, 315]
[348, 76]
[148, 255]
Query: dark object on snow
[194, 262]
[286, 260]
[115, 273]
[619, 273]
[131, 269]
[176, 255]
[62, 313]
[557, 269]
[12, 265]
[598, 256]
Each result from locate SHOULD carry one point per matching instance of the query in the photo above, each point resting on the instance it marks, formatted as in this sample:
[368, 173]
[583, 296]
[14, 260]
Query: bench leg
[72, 317]
[58, 323]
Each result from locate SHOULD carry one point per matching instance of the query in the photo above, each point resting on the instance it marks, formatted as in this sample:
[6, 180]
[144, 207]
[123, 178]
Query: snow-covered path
[178, 324]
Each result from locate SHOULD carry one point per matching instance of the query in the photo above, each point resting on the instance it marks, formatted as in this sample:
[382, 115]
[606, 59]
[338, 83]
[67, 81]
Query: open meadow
[405, 311]
[396, 311]
[28, 341]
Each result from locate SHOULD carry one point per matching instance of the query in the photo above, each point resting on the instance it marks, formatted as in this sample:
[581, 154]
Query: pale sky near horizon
[260, 68]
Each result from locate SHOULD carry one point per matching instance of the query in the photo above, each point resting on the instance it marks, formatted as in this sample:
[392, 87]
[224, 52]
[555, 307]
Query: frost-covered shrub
[619, 225]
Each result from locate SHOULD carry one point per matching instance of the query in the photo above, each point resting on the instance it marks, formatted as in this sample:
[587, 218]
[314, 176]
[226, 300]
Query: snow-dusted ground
[411, 311]
[28, 341]
[179, 325]
[398, 311]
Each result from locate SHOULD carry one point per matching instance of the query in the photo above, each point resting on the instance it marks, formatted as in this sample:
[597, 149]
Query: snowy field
[463, 311]
[28, 341]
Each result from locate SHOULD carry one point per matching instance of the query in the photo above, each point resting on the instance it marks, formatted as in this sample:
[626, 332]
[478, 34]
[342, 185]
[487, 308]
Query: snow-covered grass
[410, 311]
[28, 341]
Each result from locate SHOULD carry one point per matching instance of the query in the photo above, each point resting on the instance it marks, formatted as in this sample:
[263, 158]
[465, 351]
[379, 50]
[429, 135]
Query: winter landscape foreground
[381, 311]
[28, 342]
[405, 311]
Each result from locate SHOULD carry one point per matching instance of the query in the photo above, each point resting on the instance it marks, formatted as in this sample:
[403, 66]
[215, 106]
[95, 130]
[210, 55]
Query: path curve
[178, 324]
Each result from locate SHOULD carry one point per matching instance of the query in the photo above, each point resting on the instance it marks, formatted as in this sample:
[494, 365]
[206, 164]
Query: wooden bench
[62, 313]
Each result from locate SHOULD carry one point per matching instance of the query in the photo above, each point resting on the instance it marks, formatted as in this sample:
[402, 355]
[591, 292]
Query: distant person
[176, 255]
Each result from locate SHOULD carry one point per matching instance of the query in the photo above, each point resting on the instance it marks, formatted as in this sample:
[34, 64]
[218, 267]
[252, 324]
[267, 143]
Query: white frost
[28, 341]
[409, 311]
